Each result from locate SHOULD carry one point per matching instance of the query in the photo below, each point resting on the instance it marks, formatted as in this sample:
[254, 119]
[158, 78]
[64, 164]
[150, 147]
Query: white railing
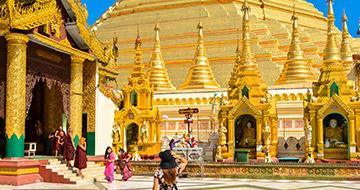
[191, 154]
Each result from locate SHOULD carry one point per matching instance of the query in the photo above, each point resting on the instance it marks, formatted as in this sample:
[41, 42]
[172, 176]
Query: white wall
[105, 110]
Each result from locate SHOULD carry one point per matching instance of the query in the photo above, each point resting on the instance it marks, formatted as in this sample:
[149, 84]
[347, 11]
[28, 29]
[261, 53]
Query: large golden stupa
[270, 36]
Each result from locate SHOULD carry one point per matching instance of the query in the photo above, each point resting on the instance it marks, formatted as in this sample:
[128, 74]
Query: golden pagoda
[296, 69]
[333, 112]
[158, 75]
[200, 75]
[233, 92]
[242, 121]
[346, 52]
[137, 122]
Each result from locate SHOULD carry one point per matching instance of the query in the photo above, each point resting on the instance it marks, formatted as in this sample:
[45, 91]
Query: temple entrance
[132, 136]
[245, 134]
[44, 115]
[34, 123]
[336, 139]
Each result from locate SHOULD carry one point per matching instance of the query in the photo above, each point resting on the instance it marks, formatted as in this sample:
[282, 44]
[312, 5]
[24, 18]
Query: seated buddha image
[249, 136]
[334, 135]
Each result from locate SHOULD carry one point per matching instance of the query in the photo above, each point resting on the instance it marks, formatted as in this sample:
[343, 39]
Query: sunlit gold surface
[158, 75]
[257, 104]
[346, 52]
[144, 111]
[327, 102]
[200, 75]
[76, 95]
[297, 69]
[15, 85]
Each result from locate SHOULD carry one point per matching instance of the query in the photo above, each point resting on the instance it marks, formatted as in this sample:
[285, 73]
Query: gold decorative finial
[332, 73]
[248, 75]
[234, 74]
[331, 51]
[157, 73]
[200, 75]
[138, 71]
[296, 69]
[346, 52]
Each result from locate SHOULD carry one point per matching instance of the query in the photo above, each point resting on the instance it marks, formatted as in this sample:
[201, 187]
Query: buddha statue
[249, 137]
[334, 135]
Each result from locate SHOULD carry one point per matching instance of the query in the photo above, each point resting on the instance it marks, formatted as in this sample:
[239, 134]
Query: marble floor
[145, 183]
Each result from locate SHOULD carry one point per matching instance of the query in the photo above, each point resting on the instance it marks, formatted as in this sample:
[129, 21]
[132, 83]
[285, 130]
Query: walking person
[166, 177]
[109, 165]
[80, 157]
[69, 148]
[124, 164]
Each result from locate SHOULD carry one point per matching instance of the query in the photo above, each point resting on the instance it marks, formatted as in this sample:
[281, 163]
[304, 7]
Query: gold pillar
[315, 127]
[320, 138]
[357, 128]
[231, 136]
[15, 94]
[352, 138]
[76, 97]
[274, 136]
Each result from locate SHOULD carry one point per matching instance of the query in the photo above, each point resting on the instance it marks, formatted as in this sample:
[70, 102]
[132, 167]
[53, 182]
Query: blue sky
[97, 7]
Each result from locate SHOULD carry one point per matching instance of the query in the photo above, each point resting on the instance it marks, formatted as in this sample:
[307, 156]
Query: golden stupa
[157, 73]
[346, 52]
[200, 75]
[270, 37]
[296, 69]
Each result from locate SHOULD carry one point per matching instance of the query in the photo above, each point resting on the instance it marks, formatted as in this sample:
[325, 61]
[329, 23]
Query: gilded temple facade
[287, 45]
[50, 68]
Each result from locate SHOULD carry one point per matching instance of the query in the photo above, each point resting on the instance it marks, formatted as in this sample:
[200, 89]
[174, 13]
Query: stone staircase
[93, 172]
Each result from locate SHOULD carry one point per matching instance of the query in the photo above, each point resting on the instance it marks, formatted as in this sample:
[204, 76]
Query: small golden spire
[332, 71]
[138, 70]
[296, 69]
[346, 52]
[157, 73]
[247, 70]
[200, 75]
[332, 55]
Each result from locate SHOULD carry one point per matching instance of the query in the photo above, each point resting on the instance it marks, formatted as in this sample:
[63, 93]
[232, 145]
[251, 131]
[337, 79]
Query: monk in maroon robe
[69, 148]
[80, 157]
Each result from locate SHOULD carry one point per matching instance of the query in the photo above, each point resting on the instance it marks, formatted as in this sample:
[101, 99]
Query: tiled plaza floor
[145, 183]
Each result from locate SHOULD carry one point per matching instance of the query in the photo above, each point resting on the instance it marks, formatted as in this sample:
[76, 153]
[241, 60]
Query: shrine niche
[245, 131]
[132, 136]
[335, 131]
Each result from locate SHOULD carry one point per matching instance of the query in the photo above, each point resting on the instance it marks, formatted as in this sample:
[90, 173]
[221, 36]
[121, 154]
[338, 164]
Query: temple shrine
[271, 81]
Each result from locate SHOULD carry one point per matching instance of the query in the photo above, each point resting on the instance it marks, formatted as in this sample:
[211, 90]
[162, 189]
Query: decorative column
[76, 97]
[352, 138]
[15, 94]
[320, 138]
[274, 135]
[230, 128]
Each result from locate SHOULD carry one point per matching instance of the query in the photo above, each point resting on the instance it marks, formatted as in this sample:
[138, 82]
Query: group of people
[123, 164]
[184, 141]
[165, 177]
[63, 144]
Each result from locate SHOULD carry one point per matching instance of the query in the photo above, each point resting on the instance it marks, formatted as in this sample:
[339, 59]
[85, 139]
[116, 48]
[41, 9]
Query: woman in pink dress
[109, 165]
[124, 164]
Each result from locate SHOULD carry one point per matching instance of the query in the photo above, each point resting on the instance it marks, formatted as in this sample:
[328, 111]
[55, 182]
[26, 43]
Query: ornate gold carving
[89, 98]
[18, 171]
[200, 75]
[25, 17]
[158, 75]
[76, 94]
[16, 84]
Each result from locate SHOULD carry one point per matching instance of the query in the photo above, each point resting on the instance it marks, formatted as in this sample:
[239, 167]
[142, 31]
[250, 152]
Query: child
[109, 164]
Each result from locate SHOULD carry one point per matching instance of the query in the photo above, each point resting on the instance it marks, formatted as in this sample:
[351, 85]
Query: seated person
[334, 135]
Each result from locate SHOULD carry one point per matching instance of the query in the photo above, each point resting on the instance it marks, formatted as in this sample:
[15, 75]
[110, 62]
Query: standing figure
[69, 148]
[124, 164]
[109, 165]
[267, 141]
[80, 157]
[308, 133]
[144, 132]
[38, 129]
[166, 177]
[222, 134]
